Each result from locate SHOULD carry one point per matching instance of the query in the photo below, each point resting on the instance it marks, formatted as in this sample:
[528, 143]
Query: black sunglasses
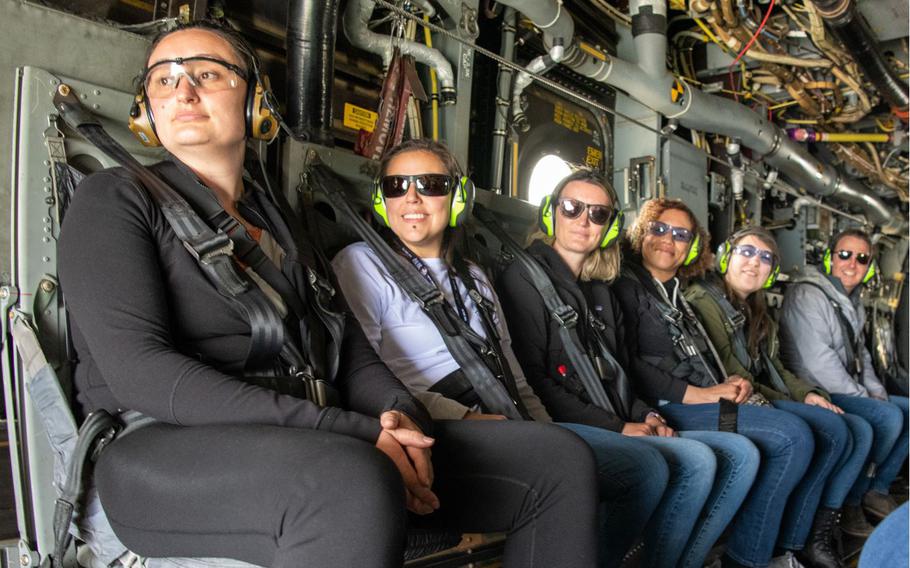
[861, 257]
[749, 251]
[679, 234]
[430, 185]
[573, 208]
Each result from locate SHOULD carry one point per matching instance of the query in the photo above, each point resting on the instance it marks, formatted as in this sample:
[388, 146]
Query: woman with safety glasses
[520, 477]
[580, 223]
[823, 339]
[731, 306]
[200, 314]
[678, 368]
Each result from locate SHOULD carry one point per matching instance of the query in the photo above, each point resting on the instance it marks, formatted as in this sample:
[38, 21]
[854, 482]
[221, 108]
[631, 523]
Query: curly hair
[651, 211]
[600, 264]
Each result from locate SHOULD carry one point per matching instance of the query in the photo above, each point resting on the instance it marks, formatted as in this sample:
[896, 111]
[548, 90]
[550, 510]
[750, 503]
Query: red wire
[754, 35]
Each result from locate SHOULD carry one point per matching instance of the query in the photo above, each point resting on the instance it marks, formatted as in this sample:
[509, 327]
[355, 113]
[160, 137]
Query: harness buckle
[738, 320]
[431, 299]
[208, 252]
[565, 316]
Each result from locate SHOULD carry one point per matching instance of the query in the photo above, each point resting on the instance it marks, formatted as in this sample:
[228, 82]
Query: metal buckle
[738, 320]
[566, 317]
[431, 299]
[209, 251]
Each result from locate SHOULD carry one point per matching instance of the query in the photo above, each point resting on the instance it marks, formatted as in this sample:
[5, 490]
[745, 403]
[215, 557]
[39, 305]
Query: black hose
[311, 69]
[852, 30]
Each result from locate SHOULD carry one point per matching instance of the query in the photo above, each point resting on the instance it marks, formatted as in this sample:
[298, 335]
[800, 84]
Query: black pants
[284, 497]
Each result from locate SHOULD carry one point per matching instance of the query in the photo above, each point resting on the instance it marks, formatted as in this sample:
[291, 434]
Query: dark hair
[429, 145]
[858, 233]
[651, 211]
[244, 51]
[754, 307]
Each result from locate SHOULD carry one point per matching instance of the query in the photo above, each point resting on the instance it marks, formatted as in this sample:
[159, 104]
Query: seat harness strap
[852, 342]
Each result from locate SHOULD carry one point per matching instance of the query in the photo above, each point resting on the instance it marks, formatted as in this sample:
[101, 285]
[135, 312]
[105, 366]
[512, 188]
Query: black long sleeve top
[152, 334]
[540, 350]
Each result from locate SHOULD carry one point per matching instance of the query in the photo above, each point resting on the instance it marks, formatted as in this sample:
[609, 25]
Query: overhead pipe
[654, 86]
[852, 30]
[355, 22]
[503, 92]
[310, 43]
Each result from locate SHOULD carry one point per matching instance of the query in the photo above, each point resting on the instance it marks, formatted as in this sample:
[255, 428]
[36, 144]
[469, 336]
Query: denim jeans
[889, 440]
[666, 482]
[737, 462]
[831, 440]
[888, 544]
[786, 446]
[632, 478]
[851, 463]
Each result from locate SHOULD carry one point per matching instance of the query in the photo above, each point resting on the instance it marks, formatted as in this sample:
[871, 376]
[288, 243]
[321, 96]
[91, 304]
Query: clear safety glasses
[206, 74]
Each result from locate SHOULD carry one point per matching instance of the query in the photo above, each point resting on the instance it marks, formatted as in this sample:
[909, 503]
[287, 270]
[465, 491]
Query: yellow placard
[677, 91]
[359, 118]
[592, 51]
[594, 157]
[568, 118]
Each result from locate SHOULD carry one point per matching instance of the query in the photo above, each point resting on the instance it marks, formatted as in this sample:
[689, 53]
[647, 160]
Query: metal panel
[887, 18]
[685, 171]
[34, 232]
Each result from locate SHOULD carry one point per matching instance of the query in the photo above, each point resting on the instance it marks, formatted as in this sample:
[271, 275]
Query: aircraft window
[545, 175]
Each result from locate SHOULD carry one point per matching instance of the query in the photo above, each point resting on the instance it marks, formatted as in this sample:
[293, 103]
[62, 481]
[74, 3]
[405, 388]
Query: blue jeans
[888, 544]
[850, 466]
[889, 440]
[632, 478]
[737, 463]
[786, 446]
[831, 440]
[666, 483]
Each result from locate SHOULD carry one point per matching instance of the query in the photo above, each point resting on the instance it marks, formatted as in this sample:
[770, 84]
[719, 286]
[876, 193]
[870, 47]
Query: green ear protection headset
[546, 215]
[725, 251]
[694, 251]
[459, 212]
[829, 252]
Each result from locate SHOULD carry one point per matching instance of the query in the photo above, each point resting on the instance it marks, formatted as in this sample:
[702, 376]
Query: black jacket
[649, 340]
[540, 351]
[152, 334]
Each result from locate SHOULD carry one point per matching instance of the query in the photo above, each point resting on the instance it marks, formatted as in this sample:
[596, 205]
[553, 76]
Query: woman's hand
[659, 425]
[706, 395]
[816, 399]
[409, 450]
[637, 429]
[471, 415]
[745, 388]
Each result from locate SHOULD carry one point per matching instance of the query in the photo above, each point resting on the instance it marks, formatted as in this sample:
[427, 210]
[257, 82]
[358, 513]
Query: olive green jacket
[713, 319]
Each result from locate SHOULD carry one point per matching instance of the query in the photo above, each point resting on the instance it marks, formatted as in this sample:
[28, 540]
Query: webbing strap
[491, 391]
[212, 250]
[562, 313]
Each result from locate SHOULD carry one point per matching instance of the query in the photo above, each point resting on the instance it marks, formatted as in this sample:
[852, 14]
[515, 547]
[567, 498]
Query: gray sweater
[812, 342]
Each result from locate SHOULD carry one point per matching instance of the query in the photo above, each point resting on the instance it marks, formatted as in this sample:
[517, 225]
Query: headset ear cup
[546, 215]
[261, 123]
[826, 261]
[723, 256]
[141, 122]
[694, 250]
[772, 278]
[377, 201]
[612, 234]
[870, 272]
[462, 202]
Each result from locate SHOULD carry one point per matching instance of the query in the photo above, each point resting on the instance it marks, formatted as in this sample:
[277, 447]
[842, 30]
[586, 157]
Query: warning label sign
[359, 118]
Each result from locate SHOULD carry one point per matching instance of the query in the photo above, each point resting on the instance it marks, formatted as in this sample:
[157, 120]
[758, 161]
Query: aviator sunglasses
[861, 257]
[573, 208]
[429, 185]
[749, 251]
[679, 234]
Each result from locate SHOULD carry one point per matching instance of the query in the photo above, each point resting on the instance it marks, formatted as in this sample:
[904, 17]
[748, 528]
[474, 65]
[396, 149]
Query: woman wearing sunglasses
[679, 369]
[823, 339]
[526, 478]
[731, 305]
[577, 247]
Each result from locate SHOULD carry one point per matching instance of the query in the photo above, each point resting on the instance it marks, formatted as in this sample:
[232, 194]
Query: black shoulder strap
[213, 250]
[851, 345]
[734, 321]
[428, 296]
[562, 313]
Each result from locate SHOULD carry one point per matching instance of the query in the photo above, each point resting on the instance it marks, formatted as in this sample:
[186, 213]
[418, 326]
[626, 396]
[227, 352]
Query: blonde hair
[651, 211]
[600, 264]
